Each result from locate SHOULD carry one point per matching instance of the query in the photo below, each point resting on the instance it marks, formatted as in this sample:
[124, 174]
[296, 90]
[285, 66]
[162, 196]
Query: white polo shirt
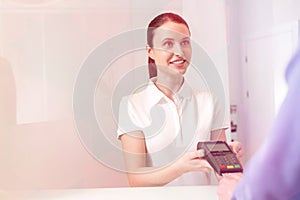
[170, 128]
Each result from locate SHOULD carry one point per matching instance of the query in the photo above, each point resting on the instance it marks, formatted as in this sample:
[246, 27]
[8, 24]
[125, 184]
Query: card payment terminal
[220, 157]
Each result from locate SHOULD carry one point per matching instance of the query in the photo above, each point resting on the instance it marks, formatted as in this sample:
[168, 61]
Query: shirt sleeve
[220, 115]
[274, 171]
[125, 120]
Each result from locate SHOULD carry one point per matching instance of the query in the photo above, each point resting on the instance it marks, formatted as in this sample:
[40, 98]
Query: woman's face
[171, 46]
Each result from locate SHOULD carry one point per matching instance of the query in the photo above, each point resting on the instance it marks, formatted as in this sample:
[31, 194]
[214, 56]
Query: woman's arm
[139, 174]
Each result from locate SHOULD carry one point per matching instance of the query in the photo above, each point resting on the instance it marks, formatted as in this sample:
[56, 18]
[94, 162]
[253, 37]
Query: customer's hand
[227, 185]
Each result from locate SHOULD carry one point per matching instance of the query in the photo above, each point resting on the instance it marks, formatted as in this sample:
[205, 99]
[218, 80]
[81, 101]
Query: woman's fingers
[237, 148]
[200, 164]
[192, 161]
[194, 154]
[201, 153]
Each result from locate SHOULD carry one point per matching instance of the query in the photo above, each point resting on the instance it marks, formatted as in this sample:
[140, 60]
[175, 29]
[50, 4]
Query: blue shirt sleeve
[274, 171]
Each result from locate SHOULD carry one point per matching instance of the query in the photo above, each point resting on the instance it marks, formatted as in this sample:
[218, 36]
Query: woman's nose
[177, 50]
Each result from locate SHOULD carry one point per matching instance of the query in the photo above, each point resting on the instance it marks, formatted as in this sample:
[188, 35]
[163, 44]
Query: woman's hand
[237, 148]
[192, 161]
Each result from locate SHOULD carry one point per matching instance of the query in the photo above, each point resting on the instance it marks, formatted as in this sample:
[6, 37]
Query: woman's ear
[150, 52]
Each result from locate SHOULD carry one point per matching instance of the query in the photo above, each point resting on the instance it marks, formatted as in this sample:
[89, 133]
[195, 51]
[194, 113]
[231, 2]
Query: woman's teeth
[178, 62]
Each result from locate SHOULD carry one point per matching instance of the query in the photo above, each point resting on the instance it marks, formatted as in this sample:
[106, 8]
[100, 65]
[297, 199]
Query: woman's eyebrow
[168, 39]
[186, 38]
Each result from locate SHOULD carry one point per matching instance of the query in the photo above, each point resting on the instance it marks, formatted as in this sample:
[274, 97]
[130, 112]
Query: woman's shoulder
[203, 94]
[137, 98]
[204, 97]
[148, 94]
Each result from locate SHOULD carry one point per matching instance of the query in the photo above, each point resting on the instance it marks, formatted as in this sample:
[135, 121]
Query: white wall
[248, 18]
[43, 45]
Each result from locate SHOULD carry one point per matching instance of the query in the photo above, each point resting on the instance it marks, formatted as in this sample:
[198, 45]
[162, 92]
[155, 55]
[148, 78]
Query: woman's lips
[178, 63]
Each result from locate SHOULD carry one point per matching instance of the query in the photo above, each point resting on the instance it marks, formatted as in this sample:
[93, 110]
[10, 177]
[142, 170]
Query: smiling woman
[171, 46]
[167, 43]
[166, 153]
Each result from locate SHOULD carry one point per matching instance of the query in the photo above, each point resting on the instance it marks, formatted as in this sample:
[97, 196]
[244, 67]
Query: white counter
[144, 193]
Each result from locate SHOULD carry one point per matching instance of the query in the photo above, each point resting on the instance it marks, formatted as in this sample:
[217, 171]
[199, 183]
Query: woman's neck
[168, 81]
[169, 92]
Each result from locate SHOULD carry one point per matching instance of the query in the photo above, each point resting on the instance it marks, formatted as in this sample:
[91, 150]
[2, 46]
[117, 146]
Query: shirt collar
[155, 95]
[185, 92]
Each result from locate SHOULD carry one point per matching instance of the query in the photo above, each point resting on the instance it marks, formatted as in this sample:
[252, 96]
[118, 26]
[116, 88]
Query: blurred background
[43, 44]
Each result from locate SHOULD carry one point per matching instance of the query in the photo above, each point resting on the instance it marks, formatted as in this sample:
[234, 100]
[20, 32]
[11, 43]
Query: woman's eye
[168, 44]
[185, 43]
